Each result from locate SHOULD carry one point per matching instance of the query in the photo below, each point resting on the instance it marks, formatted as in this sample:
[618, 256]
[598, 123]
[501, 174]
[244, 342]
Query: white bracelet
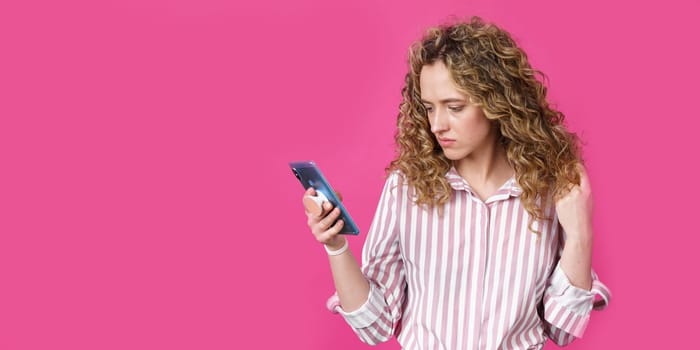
[339, 251]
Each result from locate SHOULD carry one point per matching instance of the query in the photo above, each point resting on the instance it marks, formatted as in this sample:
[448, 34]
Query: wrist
[578, 248]
[579, 234]
[337, 248]
[336, 243]
[582, 240]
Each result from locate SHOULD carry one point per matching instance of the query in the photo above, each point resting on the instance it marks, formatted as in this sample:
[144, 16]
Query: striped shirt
[474, 277]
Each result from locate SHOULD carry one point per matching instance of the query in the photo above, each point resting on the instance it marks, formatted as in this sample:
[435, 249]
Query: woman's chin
[453, 155]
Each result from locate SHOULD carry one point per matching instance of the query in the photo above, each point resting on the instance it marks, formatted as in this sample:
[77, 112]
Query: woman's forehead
[437, 85]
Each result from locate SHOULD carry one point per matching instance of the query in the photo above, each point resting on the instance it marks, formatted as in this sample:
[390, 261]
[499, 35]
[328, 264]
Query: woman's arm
[573, 287]
[351, 285]
[576, 262]
[575, 213]
[369, 298]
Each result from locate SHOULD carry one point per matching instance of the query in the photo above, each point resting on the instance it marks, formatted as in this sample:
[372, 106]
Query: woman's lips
[446, 142]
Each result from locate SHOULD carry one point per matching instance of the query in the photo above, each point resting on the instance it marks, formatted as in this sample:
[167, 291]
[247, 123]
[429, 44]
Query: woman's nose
[439, 121]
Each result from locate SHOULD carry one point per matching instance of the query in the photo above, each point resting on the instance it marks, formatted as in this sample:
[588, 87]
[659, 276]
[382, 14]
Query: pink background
[146, 202]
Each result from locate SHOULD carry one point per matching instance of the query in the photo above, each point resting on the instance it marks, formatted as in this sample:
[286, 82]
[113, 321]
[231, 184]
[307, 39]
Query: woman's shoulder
[397, 183]
[396, 177]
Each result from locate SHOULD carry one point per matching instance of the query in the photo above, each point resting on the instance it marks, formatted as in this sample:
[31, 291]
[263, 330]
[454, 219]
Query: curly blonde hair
[486, 63]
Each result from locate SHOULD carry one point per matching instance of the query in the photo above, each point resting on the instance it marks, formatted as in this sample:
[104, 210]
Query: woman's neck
[486, 169]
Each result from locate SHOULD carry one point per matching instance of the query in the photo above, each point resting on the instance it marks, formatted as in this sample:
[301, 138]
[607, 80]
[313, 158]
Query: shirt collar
[509, 189]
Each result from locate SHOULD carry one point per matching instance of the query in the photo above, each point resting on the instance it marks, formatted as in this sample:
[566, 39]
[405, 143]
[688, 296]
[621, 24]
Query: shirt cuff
[366, 315]
[566, 306]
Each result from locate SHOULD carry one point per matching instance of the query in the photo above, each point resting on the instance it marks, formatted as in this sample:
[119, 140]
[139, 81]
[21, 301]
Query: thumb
[310, 192]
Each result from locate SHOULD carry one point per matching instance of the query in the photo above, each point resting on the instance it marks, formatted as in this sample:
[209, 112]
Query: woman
[482, 237]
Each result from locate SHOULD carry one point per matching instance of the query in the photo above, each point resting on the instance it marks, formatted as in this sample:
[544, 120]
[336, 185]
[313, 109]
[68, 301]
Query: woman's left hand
[575, 210]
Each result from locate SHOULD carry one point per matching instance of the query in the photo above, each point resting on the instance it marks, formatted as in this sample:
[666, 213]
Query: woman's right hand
[322, 225]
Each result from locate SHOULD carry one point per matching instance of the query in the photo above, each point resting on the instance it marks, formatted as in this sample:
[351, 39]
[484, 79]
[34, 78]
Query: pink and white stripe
[472, 278]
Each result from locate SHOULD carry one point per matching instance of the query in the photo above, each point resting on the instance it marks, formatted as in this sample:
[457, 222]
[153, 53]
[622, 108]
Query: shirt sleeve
[567, 308]
[378, 319]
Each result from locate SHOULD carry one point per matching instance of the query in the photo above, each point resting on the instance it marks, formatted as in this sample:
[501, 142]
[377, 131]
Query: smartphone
[310, 175]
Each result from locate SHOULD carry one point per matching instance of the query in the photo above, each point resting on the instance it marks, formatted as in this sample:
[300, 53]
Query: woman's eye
[428, 109]
[455, 108]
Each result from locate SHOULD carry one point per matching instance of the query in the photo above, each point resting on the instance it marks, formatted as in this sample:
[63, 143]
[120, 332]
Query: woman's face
[460, 127]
